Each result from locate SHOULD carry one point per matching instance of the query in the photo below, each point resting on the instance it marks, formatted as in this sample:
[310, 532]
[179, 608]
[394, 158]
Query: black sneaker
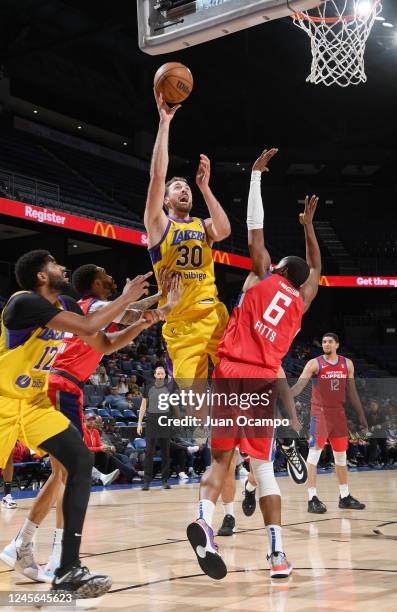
[296, 465]
[228, 525]
[249, 501]
[315, 506]
[80, 582]
[350, 503]
[166, 485]
[146, 487]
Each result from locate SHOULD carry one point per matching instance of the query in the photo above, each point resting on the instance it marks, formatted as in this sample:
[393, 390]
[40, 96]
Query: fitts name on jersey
[274, 312]
[187, 234]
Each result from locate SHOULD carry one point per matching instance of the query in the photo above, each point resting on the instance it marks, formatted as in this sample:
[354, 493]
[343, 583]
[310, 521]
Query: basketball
[174, 81]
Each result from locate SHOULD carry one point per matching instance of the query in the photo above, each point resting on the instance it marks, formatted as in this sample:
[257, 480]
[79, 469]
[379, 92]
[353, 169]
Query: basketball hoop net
[338, 30]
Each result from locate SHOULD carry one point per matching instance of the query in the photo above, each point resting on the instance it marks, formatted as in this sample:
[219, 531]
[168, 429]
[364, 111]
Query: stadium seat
[102, 412]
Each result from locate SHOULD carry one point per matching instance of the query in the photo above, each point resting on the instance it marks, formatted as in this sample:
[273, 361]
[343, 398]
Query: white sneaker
[8, 501]
[107, 479]
[183, 476]
[96, 475]
[52, 565]
[20, 558]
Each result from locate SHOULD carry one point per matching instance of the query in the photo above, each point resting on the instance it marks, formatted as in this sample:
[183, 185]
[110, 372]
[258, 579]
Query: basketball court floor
[139, 538]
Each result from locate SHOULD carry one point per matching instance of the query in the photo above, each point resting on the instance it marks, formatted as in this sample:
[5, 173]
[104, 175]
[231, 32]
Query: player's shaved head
[295, 269]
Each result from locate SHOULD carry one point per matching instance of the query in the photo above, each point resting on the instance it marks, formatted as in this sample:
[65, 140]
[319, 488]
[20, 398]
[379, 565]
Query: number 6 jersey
[264, 323]
[184, 248]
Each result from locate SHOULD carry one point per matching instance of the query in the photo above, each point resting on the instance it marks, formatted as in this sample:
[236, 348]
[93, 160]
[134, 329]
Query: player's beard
[184, 207]
[58, 283]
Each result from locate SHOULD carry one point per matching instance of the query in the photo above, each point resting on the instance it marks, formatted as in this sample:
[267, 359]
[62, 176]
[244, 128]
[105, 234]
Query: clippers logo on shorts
[23, 381]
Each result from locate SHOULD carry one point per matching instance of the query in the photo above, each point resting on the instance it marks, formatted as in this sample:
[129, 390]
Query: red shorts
[68, 398]
[244, 429]
[331, 425]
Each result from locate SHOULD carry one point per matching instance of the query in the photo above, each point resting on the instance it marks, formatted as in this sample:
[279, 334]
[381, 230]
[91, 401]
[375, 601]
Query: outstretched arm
[155, 219]
[256, 243]
[309, 290]
[310, 369]
[217, 225]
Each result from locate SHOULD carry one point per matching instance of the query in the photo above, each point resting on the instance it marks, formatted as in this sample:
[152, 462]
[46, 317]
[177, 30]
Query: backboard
[171, 25]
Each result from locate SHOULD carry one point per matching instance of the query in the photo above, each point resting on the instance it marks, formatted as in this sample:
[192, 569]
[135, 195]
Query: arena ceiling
[81, 58]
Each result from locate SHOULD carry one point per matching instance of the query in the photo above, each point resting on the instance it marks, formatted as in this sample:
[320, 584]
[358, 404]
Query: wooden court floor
[139, 539]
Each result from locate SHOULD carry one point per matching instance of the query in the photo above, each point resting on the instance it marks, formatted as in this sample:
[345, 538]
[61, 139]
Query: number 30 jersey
[184, 248]
[263, 325]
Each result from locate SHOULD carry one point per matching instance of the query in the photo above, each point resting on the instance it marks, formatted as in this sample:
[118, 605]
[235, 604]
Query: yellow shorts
[30, 422]
[191, 342]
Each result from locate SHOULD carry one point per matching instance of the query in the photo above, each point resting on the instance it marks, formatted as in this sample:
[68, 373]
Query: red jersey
[75, 356]
[263, 325]
[329, 384]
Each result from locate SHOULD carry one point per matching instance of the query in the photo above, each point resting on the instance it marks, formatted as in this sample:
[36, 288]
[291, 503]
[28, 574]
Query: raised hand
[306, 218]
[175, 292]
[203, 172]
[137, 287]
[165, 279]
[263, 160]
[166, 112]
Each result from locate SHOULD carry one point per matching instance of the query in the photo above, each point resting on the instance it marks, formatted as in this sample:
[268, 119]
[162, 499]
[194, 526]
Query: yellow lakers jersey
[26, 357]
[184, 248]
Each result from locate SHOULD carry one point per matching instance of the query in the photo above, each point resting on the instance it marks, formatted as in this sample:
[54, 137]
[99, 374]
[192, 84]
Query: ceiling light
[79, 127]
[75, 246]
[35, 111]
[379, 18]
[125, 143]
[364, 8]
[386, 24]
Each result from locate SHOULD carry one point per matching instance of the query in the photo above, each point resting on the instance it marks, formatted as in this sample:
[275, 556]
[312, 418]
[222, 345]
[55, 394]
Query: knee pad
[314, 455]
[264, 475]
[340, 458]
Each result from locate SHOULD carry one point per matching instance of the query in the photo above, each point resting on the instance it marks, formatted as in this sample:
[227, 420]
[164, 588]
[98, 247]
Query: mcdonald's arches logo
[104, 229]
[324, 282]
[221, 257]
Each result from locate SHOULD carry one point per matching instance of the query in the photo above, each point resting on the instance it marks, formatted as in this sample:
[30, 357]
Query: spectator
[134, 389]
[115, 400]
[115, 447]
[100, 377]
[122, 386]
[377, 427]
[93, 442]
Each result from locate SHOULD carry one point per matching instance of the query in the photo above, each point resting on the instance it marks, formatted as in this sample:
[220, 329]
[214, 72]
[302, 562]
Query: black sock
[7, 487]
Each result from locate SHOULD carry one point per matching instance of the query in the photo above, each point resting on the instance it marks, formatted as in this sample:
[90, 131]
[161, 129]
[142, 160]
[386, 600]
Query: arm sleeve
[255, 213]
[100, 304]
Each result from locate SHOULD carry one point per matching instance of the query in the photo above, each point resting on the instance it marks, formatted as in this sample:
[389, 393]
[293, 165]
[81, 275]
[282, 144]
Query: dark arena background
[78, 123]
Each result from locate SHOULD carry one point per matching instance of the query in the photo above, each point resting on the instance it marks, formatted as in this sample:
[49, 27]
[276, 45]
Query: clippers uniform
[328, 417]
[258, 336]
[75, 363]
[27, 350]
[193, 329]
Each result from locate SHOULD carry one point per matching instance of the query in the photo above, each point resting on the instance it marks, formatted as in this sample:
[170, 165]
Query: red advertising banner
[64, 220]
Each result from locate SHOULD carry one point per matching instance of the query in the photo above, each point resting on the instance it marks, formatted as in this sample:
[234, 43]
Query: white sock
[275, 538]
[249, 487]
[228, 508]
[344, 490]
[206, 509]
[26, 533]
[312, 491]
[57, 543]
